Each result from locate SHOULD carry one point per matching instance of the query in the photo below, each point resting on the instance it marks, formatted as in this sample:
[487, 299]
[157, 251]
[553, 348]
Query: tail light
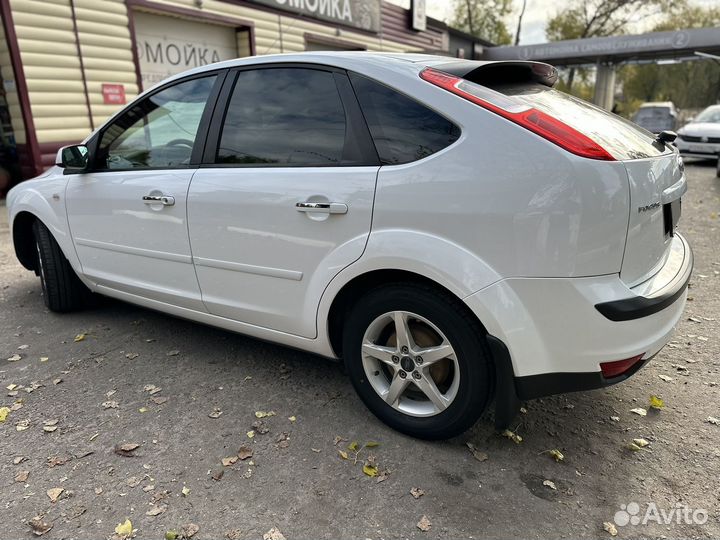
[528, 117]
[618, 367]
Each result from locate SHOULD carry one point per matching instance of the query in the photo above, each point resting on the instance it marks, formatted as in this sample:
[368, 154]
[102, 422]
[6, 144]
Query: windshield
[710, 115]
[647, 113]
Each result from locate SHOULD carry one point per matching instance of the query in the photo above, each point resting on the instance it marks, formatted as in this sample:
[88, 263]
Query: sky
[537, 13]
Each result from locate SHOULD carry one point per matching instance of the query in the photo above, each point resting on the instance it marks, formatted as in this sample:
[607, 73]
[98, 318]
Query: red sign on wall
[113, 94]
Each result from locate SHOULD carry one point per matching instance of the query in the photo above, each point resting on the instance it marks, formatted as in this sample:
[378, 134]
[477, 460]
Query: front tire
[62, 289]
[418, 360]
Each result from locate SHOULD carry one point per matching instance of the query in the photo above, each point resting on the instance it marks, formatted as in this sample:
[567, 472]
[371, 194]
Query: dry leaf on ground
[124, 530]
[550, 484]
[126, 449]
[54, 493]
[22, 476]
[370, 470]
[38, 526]
[609, 527]
[656, 402]
[477, 454]
[713, 420]
[556, 454]
[273, 534]
[189, 530]
[424, 524]
[244, 452]
[4, 411]
[639, 411]
[514, 437]
[417, 492]
[79, 337]
[156, 510]
[227, 461]
[264, 414]
[216, 413]
[14, 358]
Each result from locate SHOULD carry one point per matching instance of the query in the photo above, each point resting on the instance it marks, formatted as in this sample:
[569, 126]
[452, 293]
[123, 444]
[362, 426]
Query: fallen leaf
[666, 378]
[642, 443]
[126, 449]
[159, 400]
[133, 481]
[22, 425]
[38, 526]
[50, 425]
[79, 337]
[185, 491]
[557, 454]
[634, 447]
[11, 386]
[227, 461]
[57, 381]
[14, 358]
[317, 450]
[713, 420]
[171, 535]
[640, 411]
[514, 437]
[245, 452]
[371, 444]
[173, 353]
[132, 355]
[477, 454]
[273, 534]
[152, 389]
[16, 406]
[217, 413]
[353, 446]
[338, 439]
[370, 470]
[235, 534]
[343, 455]
[124, 530]
[22, 476]
[54, 461]
[292, 418]
[260, 427]
[4, 411]
[54, 493]
[656, 402]
[609, 527]
[19, 459]
[550, 484]
[143, 410]
[98, 490]
[263, 414]
[217, 475]
[417, 492]
[189, 530]
[156, 510]
[44, 358]
[424, 524]
[250, 434]
[147, 488]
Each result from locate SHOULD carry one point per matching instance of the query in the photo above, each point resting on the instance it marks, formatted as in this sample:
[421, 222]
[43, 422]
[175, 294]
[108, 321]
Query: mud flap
[507, 404]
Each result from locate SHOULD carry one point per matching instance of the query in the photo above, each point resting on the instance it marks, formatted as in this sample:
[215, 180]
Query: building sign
[169, 45]
[363, 14]
[419, 20]
[113, 94]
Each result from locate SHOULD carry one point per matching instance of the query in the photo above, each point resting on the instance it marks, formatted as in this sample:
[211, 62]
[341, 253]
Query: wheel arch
[360, 284]
[24, 240]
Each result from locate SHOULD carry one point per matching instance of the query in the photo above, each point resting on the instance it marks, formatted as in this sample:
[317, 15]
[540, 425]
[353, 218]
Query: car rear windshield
[620, 137]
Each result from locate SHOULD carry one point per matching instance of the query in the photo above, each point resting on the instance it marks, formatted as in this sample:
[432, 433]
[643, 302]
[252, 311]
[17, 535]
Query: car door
[284, 198]
[128, 215]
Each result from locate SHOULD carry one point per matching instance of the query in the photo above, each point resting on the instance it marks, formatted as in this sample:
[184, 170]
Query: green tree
[597, 18]
[484, 19]
[690, 85]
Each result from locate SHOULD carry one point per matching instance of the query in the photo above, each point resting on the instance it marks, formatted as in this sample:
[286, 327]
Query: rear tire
[441, 394]
[62, 289]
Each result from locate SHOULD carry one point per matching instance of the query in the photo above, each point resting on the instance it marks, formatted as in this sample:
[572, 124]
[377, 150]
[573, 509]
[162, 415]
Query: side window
[403, 130]
[285, 117]
[157, 132]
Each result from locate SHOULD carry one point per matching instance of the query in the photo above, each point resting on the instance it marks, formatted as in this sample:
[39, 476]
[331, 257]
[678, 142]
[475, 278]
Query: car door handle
[322, 208]
[167, 200]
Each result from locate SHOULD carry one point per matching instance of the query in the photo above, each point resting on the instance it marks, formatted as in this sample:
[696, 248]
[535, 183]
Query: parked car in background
[656, 116]
[454, 230]
[700, 137]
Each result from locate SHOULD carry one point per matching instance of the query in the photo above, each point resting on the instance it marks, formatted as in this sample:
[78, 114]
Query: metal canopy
[616, 49]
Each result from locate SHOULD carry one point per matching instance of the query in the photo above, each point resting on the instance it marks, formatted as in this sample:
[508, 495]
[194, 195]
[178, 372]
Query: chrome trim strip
[249, 268]
[119, 248]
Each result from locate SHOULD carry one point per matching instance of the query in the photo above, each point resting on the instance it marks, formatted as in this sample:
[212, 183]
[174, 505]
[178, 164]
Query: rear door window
[403, 129]
[292, 117]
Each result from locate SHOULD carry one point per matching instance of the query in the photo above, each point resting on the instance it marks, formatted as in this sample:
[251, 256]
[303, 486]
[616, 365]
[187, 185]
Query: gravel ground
[296, 480]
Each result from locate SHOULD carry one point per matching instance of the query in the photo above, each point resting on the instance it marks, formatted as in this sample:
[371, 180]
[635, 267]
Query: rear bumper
[556, 337]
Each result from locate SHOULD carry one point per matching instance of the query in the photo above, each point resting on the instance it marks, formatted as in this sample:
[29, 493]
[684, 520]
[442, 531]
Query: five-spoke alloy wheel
[418, 360]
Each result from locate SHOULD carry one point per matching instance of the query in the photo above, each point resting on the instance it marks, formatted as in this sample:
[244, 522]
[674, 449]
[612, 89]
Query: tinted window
[403, 129]
[157, 132]
[284, 116]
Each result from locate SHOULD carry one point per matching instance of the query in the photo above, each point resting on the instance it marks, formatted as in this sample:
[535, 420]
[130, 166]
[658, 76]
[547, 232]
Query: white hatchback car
[454, 230]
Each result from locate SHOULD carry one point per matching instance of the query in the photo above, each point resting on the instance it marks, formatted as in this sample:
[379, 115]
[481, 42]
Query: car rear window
[620, 137]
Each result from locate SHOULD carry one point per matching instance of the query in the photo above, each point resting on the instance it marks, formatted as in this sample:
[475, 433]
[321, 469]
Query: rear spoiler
[491, 74]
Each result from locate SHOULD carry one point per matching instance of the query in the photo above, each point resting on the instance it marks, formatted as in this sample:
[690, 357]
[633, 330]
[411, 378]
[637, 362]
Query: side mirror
[73, 158]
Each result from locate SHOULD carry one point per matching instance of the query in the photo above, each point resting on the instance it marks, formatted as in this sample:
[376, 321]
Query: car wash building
[67, 65]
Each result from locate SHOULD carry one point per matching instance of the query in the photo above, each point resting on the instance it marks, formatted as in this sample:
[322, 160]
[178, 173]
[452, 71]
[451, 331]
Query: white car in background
[454, 230]
[656, 116]
[701, 136]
